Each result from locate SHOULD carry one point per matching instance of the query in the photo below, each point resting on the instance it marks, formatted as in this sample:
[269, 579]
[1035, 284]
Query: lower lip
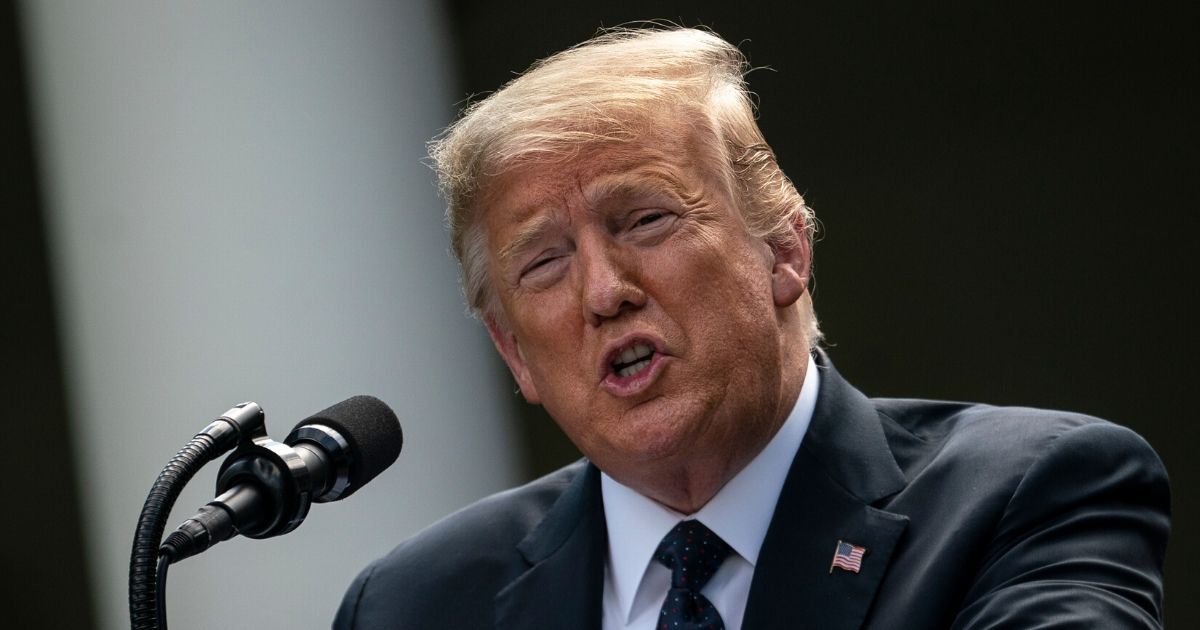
[635, 384]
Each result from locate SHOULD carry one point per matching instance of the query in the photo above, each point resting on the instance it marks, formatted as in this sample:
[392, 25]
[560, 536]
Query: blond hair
[611, 89]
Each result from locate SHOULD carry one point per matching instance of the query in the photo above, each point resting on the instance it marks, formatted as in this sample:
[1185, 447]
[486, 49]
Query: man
[642, 265]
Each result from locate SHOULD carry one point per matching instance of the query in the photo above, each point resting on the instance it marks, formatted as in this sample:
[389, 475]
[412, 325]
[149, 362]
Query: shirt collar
[739, 513]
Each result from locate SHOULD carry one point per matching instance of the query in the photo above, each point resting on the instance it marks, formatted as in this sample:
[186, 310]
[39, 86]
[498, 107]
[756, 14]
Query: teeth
[635, 359]
[639, 351]
[635, 368]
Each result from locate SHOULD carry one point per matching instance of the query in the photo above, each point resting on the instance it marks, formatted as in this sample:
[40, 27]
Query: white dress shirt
[635, 586]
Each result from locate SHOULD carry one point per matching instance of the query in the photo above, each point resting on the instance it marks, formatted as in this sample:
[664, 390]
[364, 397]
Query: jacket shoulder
[1032, 504]
[448, 574]
[989, 438]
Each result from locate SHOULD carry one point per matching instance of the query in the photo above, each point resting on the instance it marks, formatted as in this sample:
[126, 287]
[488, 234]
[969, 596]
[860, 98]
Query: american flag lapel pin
[847, 557]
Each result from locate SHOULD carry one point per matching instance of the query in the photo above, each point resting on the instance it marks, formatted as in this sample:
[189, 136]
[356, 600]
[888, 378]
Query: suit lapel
[563, 586]
[843, 466]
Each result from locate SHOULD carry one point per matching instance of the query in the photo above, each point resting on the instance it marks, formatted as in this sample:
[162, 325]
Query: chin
[654, 435]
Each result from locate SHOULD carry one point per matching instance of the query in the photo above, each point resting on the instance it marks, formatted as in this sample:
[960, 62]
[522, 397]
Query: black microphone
[265, 487]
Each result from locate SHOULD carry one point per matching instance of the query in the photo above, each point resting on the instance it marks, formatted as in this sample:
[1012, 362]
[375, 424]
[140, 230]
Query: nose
[609, 280]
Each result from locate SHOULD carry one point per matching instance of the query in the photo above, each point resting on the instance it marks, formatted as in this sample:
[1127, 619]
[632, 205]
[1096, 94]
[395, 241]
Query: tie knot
[693, 553]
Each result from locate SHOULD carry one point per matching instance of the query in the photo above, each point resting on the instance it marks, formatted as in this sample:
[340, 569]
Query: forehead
[662, 162]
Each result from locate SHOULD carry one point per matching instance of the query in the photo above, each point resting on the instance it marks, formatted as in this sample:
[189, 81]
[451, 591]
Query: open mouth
[632, 360]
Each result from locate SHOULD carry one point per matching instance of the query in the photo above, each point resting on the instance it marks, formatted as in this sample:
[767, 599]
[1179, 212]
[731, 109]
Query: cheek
[554, 349]
[547, 320]
[729, 285]
[732, 303]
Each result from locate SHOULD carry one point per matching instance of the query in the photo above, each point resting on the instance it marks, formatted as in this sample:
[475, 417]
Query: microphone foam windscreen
[372, 430]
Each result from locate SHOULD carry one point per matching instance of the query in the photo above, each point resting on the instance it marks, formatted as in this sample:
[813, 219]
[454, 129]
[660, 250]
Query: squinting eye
[647, 219]
[540, 263]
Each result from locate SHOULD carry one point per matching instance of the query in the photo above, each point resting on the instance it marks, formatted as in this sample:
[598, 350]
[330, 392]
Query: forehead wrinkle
[647, 173]
[635, 184]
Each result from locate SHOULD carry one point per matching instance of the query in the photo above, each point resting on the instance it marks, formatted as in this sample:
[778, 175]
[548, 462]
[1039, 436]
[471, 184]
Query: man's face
[637, 309]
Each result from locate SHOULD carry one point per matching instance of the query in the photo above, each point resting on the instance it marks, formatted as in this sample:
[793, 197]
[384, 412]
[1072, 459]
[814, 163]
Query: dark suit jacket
[972, 516]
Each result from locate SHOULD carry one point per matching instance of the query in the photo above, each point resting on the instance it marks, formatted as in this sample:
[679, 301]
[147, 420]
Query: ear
[790, 273]
[510, 350]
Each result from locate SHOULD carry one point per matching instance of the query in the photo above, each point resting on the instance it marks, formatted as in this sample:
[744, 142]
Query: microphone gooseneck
[266, 487]
[237, 424]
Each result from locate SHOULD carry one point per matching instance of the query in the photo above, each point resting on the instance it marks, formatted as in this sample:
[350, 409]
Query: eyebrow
[530, 233]
[595, 193]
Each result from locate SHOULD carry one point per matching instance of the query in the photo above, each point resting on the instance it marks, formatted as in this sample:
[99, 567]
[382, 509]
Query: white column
[238, 211]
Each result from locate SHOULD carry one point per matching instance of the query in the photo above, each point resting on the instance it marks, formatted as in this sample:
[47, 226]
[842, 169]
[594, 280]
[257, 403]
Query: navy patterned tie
[692, 553]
